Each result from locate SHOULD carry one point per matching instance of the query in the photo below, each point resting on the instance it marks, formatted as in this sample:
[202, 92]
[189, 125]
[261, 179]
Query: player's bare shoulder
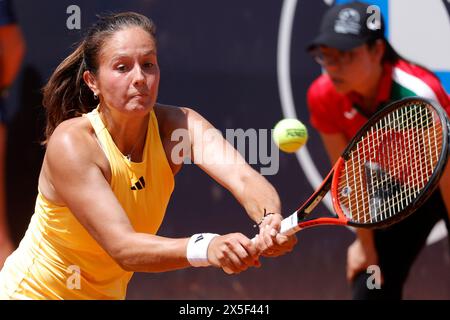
[70, 150]
[73, 134]
[171, 118]
[75, 140]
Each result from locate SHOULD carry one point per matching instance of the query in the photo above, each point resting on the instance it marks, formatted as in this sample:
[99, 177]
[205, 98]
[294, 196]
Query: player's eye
[148, 65]
[121, 68]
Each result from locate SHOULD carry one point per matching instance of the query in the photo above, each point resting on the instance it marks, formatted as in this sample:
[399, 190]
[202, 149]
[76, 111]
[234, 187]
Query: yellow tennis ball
[290, 135]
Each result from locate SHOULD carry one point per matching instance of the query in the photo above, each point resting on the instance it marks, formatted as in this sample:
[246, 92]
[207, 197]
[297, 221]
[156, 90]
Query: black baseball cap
[349, 25]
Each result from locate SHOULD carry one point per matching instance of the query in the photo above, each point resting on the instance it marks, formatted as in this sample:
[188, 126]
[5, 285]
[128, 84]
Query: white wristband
[197, 249]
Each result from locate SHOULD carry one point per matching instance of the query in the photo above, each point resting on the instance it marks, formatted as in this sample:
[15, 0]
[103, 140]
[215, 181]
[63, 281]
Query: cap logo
[348, 21]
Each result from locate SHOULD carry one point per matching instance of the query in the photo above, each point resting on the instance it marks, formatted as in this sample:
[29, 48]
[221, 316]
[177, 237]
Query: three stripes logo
[139, 184]
[199, 238]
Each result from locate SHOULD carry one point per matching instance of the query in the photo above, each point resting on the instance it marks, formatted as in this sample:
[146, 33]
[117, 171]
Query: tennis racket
[387, 171]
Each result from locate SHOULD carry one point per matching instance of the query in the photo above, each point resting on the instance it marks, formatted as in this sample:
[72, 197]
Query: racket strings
[372, 147]
[415, 178]
[391, 164]
[403, 161]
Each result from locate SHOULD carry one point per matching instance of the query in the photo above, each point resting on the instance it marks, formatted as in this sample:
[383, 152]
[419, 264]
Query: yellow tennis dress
[58, 258]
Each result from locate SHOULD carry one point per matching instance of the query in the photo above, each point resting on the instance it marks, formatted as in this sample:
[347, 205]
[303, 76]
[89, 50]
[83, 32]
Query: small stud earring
[95, 96]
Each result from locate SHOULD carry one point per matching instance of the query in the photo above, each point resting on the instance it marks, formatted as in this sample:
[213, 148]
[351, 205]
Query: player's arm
[444, 183]
[361, 253]
[218, 158]
[80, 184]
[444, 100]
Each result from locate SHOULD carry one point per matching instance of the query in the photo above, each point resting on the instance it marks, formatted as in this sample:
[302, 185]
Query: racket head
[392, 165]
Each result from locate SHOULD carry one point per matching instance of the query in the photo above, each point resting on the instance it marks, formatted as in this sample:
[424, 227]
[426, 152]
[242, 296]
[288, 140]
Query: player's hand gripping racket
[387, 171]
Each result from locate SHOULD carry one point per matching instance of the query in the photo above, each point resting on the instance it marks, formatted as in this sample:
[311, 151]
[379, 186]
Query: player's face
[128, 74]
[348, 70]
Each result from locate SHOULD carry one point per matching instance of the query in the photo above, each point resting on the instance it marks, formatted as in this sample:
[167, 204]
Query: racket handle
[289, 226]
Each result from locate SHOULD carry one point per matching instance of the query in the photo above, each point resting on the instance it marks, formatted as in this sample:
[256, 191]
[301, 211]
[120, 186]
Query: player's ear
[378, 49]
[91, 81]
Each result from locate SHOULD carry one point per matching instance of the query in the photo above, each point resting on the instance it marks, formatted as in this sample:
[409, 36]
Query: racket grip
[289, 226]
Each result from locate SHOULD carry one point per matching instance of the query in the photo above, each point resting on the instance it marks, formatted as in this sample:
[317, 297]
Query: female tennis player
[108, 174]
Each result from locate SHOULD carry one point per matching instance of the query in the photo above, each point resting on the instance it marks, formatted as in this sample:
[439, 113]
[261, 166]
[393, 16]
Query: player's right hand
[270, 242]
[233, 253]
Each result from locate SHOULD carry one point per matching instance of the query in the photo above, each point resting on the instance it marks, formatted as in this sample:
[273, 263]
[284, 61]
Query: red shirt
[332, 112]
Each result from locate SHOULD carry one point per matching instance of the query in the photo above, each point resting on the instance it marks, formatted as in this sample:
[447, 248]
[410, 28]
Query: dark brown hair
[66, 95]
[390, 55]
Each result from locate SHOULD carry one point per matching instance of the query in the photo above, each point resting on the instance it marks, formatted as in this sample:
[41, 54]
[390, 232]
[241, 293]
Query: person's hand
[233, 253]
[6, 248]
[270, 242]
[359, 257]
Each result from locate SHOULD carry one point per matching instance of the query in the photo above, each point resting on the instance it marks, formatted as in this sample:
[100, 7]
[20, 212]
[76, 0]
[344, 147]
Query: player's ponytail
[66, 95]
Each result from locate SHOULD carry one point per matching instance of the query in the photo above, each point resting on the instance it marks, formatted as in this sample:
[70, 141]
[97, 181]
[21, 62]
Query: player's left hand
[270, 242]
